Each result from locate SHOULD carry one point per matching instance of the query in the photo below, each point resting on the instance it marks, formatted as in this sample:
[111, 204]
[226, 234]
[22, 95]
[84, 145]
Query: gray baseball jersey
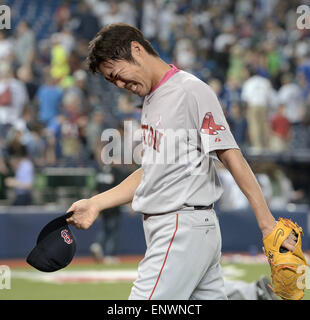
[182, 125]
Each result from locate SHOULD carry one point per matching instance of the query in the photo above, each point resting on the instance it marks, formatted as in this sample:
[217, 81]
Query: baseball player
[177, 184]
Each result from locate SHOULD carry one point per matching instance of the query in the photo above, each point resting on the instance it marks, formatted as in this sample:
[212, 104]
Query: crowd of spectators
[250, 52]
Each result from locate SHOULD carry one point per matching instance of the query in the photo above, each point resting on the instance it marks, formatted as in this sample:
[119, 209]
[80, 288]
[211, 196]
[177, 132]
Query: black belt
[204, 207]
[147, 215]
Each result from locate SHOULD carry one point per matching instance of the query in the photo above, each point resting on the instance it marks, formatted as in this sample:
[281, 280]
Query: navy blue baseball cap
[55, 247]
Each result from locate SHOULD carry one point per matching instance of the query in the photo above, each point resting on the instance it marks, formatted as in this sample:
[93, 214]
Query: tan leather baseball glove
[287, 272]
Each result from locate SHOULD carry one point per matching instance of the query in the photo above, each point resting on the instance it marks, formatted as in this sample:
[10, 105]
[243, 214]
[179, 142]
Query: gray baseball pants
[182, 259]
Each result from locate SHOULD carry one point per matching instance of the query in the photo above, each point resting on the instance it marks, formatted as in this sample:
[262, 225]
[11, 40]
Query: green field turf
[24, 289]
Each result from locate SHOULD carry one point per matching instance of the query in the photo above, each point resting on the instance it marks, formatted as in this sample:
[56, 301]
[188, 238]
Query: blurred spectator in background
[283, 190]
[6, 47]
[128, 9]
[126, 107]
[238, 124]
[280, 131]
[25, 74]
[59, 59]
[75, 59]
[85, 24]
[53, 133]
[232, 198]
[272, 61]
[149, 20]
[80, 88]
[307, 116]
[31, 135]
[104, 250]
[185, 54]
[35, 143]
[65, 39]
[114, 14]
[237, 61]
[303, 85]
[217, 87]
[72, 106]
[303, 61]
[24, 44]
[99, 9]
[62, 15]
[4, 172]
[276, 185]
[264, 182]
[93, 134]
[71, 142]
[13, 95]
[256, 93]
[290, 96]
[114, 11]
[227, 36]
[49, 97]
[23, 179]
[231, 93]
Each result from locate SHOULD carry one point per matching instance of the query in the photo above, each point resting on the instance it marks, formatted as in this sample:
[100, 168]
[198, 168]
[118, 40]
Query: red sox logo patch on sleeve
[209, 126]
[65, 235]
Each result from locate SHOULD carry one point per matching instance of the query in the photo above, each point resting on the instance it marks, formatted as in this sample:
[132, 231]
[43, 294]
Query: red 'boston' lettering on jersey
[151, 136]
[144, 127]
[157, 139]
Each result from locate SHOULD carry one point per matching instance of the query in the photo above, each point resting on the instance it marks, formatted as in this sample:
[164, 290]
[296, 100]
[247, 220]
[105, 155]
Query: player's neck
[159, 69]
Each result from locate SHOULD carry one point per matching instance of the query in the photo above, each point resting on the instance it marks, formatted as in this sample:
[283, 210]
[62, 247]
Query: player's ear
[136, 49]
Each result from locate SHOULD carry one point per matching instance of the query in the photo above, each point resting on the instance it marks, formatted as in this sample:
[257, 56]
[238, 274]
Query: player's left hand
[289, 243]
[85, 213]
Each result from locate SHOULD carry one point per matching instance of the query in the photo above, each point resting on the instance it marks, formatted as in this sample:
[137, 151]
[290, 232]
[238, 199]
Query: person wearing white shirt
[6, 46]
[12, 110]
[257, 92]
[290, 95]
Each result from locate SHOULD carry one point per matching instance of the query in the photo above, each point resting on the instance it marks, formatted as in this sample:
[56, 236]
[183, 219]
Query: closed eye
[111, 78]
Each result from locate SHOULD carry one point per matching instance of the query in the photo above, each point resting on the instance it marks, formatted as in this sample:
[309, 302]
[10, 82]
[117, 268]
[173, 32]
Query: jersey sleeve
[207, 117]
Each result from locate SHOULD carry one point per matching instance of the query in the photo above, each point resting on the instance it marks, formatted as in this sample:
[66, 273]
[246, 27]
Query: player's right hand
[85, 213]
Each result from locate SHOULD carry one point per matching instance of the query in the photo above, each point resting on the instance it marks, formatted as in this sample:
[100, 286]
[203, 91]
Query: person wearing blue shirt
[49, 97]
[23, 180]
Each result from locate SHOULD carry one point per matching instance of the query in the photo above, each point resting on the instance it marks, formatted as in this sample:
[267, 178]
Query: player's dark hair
[113, 42]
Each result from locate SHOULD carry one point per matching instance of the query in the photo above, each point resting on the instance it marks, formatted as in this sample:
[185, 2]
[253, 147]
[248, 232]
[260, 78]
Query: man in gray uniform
[184, 132]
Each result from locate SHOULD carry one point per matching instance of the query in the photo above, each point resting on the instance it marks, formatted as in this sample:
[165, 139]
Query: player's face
[128, 75]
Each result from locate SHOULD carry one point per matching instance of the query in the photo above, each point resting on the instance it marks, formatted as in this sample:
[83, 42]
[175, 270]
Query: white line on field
[85, 276]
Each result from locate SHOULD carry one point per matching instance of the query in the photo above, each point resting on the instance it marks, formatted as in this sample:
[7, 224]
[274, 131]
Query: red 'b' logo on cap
[65, 235]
